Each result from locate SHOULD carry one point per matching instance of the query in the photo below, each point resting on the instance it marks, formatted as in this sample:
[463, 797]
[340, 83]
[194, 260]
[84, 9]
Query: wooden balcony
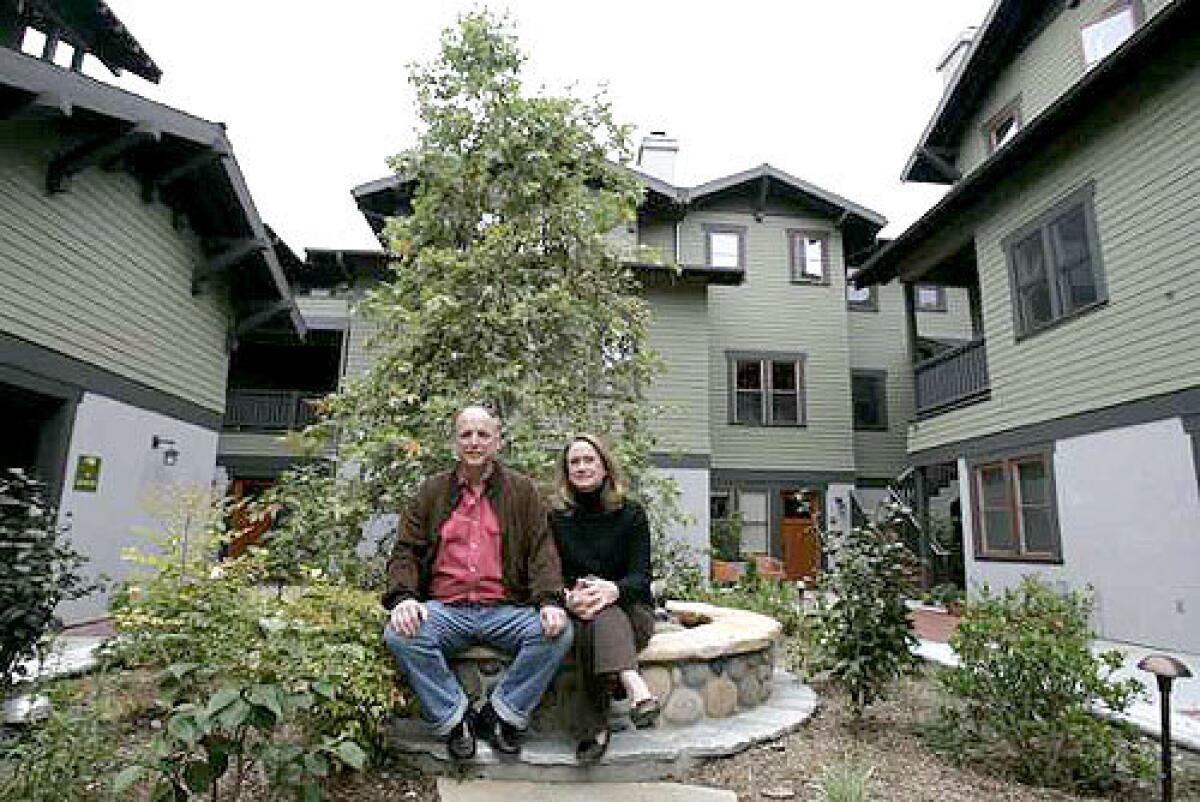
[953, 378]
[270, 410]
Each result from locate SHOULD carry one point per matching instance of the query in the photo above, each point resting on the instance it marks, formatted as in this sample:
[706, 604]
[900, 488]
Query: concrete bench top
[718, 632]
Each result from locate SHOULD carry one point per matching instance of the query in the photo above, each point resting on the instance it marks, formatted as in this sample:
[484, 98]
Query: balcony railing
[270, 410]
[952, 378]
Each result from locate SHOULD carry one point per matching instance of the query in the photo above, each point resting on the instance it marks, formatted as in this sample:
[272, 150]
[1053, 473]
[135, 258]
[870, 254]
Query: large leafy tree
[505, 288]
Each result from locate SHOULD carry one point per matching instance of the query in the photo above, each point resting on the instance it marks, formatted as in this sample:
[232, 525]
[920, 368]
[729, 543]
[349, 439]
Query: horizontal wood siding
[1146, 340]
[769, 313]
[357, 358]
[953, 324]
[254, 444]
[323, 309]
[1046, 68]
[98, 275]
[660, 237]
[679, 333]
[879, 341]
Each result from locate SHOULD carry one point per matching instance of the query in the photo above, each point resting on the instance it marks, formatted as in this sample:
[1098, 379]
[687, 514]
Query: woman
[604, 541]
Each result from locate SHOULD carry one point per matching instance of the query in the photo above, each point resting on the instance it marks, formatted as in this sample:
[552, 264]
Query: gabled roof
[1142, 59]
[184, 161]
[89, 26]
[1008, 25]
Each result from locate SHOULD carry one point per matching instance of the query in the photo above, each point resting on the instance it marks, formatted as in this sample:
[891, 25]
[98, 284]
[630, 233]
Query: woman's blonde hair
[614, 482]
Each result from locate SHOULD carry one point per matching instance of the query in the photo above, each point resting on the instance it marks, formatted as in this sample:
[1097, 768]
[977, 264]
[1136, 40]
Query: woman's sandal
[645, 713]
[590, 750]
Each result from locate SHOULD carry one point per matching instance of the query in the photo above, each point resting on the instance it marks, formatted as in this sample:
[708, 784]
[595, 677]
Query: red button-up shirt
[467, 567]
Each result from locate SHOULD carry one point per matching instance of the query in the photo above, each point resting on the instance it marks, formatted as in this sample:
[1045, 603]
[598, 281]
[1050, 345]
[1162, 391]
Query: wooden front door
[798, 533]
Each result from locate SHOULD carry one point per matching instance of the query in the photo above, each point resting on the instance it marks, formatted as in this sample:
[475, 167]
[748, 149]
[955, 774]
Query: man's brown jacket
[529, 567]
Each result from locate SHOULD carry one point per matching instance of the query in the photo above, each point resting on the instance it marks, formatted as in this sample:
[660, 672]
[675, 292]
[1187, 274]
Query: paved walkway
[451, 790]
[934, 629]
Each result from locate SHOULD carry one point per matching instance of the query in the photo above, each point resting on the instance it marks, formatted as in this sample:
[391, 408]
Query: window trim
[800, 277]
[871, 304]
[1009, 460]
[1010, 109]
[1084, 196]
[1111, 10]
[937, 306]
[873, 373]
[731, 360]
[724, 228]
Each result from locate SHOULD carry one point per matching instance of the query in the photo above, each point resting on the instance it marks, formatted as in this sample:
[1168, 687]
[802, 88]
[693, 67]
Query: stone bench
[708, 662]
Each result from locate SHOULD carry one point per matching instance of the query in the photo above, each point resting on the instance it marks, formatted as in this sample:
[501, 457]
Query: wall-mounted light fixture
[170, 453]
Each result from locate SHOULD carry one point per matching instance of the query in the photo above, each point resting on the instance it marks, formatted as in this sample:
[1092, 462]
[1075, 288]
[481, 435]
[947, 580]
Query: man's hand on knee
[407, 617]
[554, 620]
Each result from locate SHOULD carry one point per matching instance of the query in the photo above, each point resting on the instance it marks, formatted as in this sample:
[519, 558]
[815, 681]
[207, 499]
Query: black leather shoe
[590, 750]
[504, 737]
[460, 743]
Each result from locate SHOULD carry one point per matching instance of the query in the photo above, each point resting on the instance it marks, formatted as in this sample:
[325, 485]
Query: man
[474, 563]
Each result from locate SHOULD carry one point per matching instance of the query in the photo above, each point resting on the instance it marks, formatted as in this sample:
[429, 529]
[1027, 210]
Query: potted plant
[725, 541]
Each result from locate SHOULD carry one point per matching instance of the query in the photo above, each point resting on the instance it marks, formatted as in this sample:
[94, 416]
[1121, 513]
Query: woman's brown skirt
[604, 646]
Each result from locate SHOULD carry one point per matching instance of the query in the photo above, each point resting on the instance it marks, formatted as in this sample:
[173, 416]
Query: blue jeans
[453, 628]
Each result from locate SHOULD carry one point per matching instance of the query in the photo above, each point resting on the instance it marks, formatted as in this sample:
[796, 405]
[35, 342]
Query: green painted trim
[724, 477]
[1181, 404]
[661, 459]
[54, 367]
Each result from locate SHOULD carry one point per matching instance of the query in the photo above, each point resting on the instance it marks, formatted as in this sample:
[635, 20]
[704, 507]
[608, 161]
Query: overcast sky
[315, 94]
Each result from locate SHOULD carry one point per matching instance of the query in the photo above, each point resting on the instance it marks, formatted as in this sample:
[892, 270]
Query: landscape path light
[1166, 669]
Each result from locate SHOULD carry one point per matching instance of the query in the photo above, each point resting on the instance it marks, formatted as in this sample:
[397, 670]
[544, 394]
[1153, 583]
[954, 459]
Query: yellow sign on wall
[87, 474]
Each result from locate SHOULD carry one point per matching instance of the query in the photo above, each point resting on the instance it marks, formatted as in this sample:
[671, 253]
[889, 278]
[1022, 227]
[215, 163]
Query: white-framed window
[1013, 508]
[808, 255]
[1106, 33]
[1054, 265]
[752, 507]
[725, 246]
[767, 390]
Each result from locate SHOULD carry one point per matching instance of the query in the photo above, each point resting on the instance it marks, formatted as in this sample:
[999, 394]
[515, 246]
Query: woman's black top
[610, 544]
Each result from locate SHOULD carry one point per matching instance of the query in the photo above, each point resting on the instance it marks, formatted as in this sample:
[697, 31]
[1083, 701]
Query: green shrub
[845, 780]
[1026, 689]
[38, 570]
[863, 634]
[752, 591]
[725, 538]
[65, 758]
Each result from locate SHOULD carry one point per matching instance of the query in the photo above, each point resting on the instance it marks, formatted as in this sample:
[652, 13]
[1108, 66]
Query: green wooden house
[1069, 138]
[132, 262]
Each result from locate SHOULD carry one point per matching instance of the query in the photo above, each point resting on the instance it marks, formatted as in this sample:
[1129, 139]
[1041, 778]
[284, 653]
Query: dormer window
[1105, 34]
[1004, 125]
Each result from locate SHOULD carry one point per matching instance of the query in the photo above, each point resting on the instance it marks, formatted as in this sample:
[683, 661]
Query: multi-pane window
[809, 255]
[768, 391]
[931, 298]
[1054, 265]
[752, 507]
[1014, 511]
[868, 392]
[725, 246]
[1104, 35]
[864, 299]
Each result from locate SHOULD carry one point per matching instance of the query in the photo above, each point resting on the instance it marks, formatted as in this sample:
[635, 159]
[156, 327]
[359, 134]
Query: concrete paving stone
[451, 790]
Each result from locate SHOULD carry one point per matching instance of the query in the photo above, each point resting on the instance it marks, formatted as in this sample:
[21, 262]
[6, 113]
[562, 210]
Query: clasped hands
[590, 595]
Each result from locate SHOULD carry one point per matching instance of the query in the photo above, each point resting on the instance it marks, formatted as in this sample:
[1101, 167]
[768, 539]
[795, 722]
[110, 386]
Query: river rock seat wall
[708, 662]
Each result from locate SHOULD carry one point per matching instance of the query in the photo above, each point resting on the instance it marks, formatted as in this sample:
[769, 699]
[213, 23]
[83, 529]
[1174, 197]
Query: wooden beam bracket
[98, 151]
[226, 259]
